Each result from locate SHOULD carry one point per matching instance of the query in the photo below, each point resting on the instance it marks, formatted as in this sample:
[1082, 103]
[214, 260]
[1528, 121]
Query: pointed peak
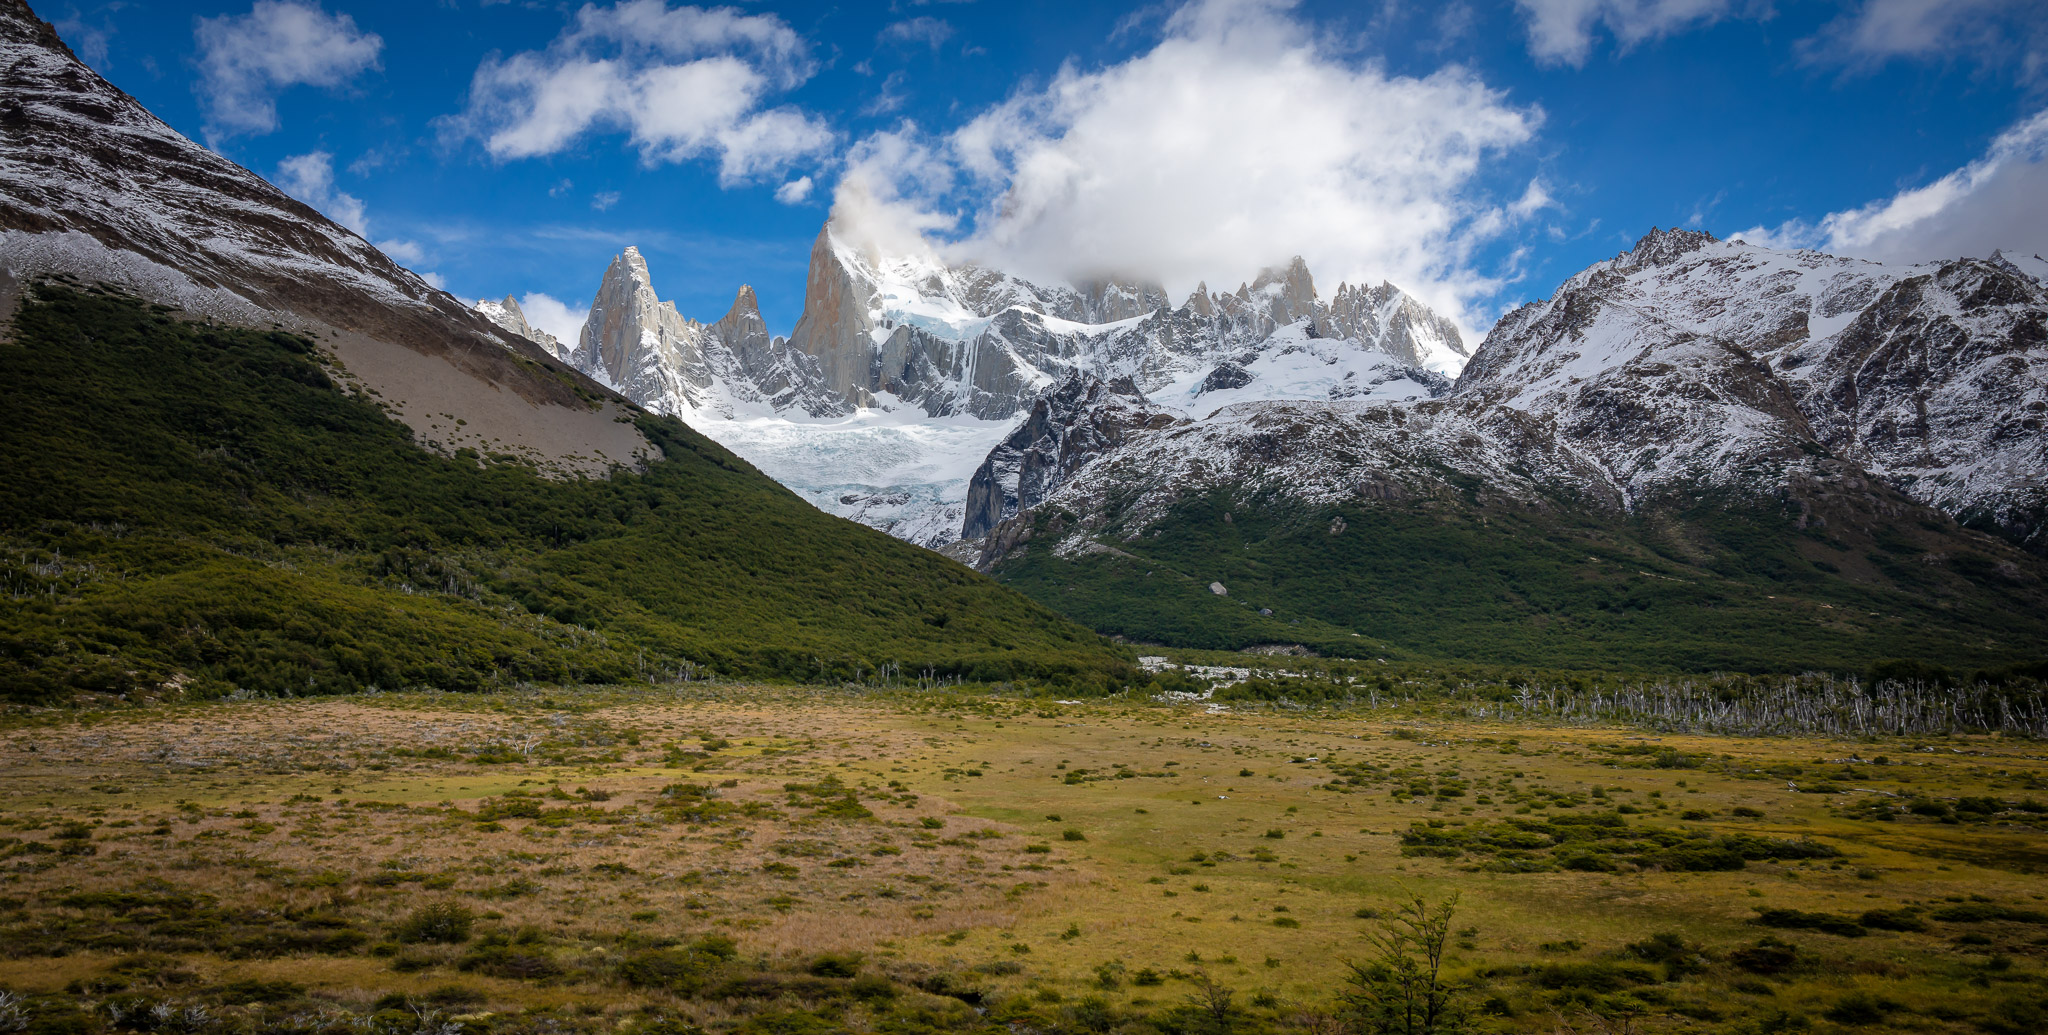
[631, 265]
[744, 303]
[1662, 246]
[511, 303]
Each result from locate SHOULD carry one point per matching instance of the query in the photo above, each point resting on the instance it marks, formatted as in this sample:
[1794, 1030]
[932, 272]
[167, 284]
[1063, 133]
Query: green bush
[837, 965]
[445, 922]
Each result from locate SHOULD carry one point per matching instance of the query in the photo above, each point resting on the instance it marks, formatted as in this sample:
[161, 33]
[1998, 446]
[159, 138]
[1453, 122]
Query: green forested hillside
[1719, 585]
[199, 507]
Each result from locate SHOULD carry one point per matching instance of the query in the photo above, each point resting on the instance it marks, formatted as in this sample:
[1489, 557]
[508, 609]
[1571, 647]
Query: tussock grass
[316, 841]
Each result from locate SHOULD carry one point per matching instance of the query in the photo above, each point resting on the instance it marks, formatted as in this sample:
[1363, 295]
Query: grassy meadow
[732, 858]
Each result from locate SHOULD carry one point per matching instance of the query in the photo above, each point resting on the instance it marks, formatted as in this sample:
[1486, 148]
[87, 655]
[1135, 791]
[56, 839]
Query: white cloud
[408, 253]
[310, 178]
[795, 192]
[683, 83]
[887, 198]
[932, 32]
[1561, 31]
[1992, 31]
[1236, 142]
[1533, 200]
[244, 60]
[603, 200]
[434, 280]
[1999, 201]
[552, 316]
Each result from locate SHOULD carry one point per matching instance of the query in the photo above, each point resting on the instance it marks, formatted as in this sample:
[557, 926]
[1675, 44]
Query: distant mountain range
[1698, 454]
[1805, 397]
[904, 372]
[250, 452]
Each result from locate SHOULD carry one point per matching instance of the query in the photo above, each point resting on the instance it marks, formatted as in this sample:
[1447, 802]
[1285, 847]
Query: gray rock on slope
[1686, 369]
[508, 315]
[1069, 426]
[94, 187]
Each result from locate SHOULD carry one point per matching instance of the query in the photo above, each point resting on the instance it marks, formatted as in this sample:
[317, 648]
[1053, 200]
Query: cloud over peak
[1998, 201]
[1238, 140]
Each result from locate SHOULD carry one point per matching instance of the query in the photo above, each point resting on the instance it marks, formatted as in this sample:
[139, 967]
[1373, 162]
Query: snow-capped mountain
[1690, 360]
[652, 354]
[973, 340]
[509, 316]
[904, 371]
[1069, 426]
[95, 188]
[1683, 368]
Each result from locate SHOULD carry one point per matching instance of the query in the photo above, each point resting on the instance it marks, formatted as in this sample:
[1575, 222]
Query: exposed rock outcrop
[1069, 426]
[508, 315]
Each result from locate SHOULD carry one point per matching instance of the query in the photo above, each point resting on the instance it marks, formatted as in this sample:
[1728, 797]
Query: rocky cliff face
[1684, 370]
[652, 354]
[971, 340]
[1070, 425]
[1393, 321]
[509, 316]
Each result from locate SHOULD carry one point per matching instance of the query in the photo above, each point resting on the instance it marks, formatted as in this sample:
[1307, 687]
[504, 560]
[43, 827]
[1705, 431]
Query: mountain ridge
[260, 456]
[909, 357]
[1725, 416]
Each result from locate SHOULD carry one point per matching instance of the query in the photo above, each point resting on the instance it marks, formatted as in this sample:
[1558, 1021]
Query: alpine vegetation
[1031, 519]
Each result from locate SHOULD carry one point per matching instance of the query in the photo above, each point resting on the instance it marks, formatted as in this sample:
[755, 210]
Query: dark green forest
[1717, 585]
[199, 507]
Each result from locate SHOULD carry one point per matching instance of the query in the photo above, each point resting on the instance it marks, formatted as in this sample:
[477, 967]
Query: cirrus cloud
[1562, 31]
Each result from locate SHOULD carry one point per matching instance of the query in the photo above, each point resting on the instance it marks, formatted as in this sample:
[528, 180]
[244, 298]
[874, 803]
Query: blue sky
[1473, 153]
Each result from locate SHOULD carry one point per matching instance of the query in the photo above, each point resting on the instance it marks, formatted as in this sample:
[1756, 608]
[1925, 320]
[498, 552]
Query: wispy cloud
[1993, 32]
[1563, 31]
[924, 29]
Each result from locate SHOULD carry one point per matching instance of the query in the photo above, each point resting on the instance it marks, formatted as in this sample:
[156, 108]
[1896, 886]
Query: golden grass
[223, 777]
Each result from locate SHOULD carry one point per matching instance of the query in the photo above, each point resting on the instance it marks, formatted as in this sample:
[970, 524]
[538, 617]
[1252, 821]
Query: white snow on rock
[1684, 366]
[904, 373]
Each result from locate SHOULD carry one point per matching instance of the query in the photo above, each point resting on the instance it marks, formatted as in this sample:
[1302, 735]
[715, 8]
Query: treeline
[1881, 701]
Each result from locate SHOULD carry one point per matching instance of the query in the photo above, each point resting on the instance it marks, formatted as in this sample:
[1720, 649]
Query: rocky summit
[904, 372]
[1699, 401]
